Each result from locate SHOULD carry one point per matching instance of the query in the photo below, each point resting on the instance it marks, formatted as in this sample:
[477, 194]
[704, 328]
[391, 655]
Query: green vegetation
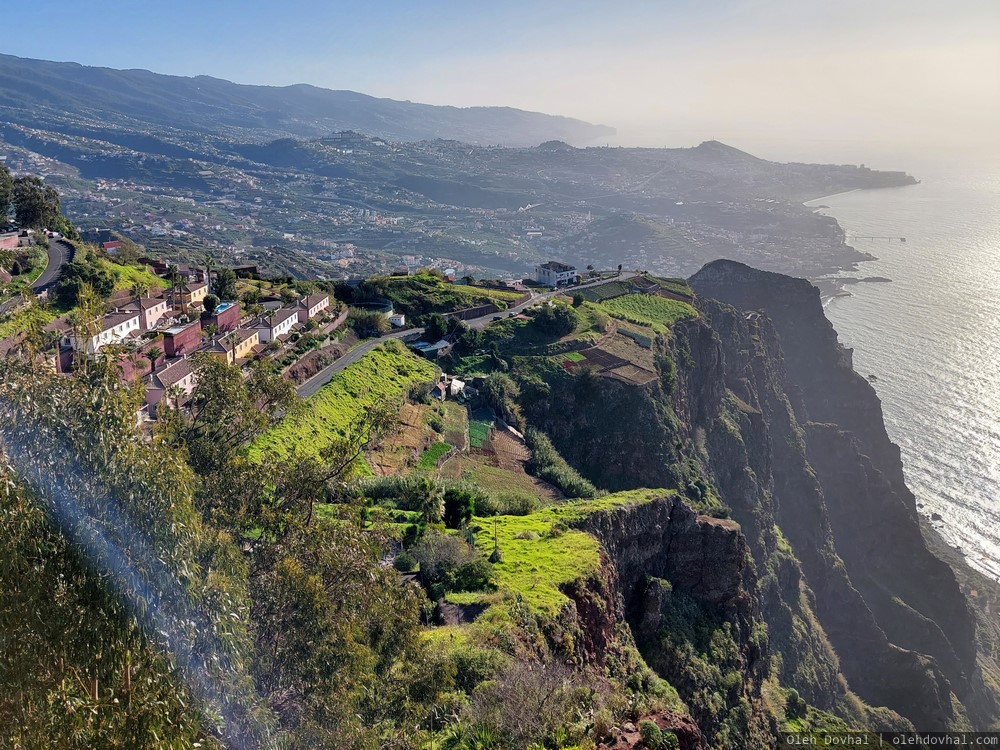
[605, 291]
[479, 431]
[538, 563]
[658, 313]
[424, 293]
[547, 464]
[430, 457]
[33, 316]
[387, 371]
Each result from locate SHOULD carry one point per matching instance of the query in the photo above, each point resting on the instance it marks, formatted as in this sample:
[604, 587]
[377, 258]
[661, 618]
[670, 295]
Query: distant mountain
[37, 91]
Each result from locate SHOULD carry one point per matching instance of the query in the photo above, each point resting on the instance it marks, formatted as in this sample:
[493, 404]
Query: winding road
[60, 252]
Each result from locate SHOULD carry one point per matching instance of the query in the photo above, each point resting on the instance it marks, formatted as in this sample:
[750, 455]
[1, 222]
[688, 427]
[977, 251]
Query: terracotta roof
[171, 374]
[315, 299]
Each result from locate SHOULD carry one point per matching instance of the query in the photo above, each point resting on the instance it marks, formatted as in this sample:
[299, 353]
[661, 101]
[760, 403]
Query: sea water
[931, 339]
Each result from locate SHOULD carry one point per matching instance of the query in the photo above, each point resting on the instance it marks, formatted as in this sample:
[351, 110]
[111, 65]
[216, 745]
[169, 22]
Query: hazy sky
[848, 80]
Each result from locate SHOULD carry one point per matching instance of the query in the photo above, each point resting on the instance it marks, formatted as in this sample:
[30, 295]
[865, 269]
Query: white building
[115, 327]
[277, 325]
[555, 273]
[397, 319]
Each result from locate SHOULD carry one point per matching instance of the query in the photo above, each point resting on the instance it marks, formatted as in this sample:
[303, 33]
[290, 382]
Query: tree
[36, 205]
[79, 273]
[153, 353]
[459, 507]
[140, 290]
[557, 319]
[6, 193]
[578, 299]
[225, 284]
[368, 323]
[211, 302]
[115, 634]
[435, 327]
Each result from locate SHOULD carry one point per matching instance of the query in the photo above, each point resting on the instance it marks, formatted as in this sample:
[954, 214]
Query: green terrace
[387, 371]
[542, 553]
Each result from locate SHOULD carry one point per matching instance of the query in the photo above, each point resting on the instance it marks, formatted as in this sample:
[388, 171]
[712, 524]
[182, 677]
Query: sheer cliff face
[894, 612]
[758, 400]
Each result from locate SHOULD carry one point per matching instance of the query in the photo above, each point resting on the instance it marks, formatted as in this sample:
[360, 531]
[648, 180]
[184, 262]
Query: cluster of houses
[160, 333]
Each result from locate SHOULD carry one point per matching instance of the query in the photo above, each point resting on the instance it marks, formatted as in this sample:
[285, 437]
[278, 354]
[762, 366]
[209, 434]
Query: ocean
[931, 339]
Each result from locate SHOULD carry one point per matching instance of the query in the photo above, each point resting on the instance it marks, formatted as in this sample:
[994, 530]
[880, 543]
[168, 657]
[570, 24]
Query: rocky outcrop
[668, 559]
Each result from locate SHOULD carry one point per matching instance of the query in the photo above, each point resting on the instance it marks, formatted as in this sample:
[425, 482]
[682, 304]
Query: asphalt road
[60, 252]
[324, 376]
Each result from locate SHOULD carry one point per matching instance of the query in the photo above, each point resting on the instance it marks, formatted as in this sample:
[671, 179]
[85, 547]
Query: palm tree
[208, 269]
[140, 289]
[173, 272]
[153, 353]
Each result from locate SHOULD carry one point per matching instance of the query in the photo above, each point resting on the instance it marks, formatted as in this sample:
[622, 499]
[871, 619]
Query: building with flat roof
[554, 273]
[182, 339]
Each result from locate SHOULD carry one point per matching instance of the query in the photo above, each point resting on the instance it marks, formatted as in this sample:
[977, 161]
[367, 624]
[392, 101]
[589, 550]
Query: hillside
[32, 91]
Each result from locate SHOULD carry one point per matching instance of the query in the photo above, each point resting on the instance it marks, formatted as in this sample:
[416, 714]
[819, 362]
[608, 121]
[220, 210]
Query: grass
[127, 276]
[658, 313]
[385, 372]
[605, 291]
[476, 468]
[540, 559]
[570, 357]
[456, 424]
[431, 456]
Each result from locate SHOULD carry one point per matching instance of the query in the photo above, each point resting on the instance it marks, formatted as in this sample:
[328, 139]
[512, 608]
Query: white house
[312, 306]
[150, 311]
[277, 325]
[555, 273]
[397, 319]
[115, 327]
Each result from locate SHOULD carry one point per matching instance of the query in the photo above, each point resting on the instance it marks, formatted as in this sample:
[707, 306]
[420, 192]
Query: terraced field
[657, 313]
[385, 372]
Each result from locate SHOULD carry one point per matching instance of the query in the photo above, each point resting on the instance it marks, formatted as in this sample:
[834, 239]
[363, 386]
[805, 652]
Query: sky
[883, 81]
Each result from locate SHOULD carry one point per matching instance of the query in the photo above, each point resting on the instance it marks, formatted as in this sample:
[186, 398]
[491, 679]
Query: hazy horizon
[847, 82]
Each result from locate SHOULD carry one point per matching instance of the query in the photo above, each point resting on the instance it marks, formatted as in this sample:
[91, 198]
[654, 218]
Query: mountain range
[34, 91]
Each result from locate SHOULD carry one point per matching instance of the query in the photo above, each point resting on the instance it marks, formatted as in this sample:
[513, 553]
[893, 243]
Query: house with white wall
[277, 325]
[114, 328]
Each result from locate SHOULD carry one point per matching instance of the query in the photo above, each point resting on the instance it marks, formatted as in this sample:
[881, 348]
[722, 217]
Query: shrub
[652, 736]
[507, 504]
[547, 464]
[557, 319]
[459, 506]
[368, 323]
[404, 562]
[603, 723]
[448, 563]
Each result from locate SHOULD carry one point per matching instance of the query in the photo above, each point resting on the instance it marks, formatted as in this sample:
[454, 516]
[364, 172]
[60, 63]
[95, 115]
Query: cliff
[821, 581]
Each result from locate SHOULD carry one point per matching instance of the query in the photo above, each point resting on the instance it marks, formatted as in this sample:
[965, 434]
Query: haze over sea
[932, 339]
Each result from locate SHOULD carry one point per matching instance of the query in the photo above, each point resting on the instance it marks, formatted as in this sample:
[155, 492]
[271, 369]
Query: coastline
[831, 195]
